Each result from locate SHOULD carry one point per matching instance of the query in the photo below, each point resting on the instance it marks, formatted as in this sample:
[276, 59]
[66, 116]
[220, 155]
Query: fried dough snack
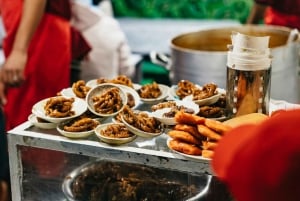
[80, 89]
[186, 88]
[141, 120]
[116, 131]
[184, 147]
[187, 118]
[150, 91]
[120, 79]
[123, 80]
[207, 91]
[217, 126]
[184, 136]
[208, 111]
[191, 129]
[59, 107]
[109, 102]
[162, 105]
[81, 125]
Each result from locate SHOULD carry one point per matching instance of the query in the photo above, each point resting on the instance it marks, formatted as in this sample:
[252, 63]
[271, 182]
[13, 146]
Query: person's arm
[256, 14]
[13, 68]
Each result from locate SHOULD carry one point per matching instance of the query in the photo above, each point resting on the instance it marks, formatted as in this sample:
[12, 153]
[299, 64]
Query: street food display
[192, 129]
[178, 130]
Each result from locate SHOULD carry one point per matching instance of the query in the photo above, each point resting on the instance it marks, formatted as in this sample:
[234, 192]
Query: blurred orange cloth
[262, 163]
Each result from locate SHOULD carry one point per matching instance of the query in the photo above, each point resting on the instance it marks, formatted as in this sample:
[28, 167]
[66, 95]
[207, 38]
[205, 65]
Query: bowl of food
[114, 133]
[141, 123]
[59, 108]
[110, 180]
[133, 98]
[202, 95]
[153, 93]
[165, 111]
[106, 100]
[78, 127]
[40, 123]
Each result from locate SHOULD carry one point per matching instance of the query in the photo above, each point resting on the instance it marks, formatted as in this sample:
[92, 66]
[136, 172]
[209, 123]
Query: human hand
[12, 71]
[2, 94]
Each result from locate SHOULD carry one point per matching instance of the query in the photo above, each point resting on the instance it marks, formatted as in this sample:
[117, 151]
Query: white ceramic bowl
[43, 125]
[135, 95]
[68, 92]
[79, 106]
[206, 101]
[164, 94]
[112, 140]
[75, 135]
[159, 114]
[141, 133]
[101, 89]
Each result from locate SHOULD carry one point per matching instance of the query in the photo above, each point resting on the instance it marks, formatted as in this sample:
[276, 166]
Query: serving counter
[28, 184]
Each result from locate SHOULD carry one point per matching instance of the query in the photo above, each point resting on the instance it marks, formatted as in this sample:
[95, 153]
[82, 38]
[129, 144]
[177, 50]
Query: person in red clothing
[261, 162]
[37, 52]
[276, 12]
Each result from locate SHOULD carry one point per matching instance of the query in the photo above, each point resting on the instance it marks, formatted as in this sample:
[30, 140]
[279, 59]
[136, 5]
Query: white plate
[111, 140]
[68, 92]
[135, 95]
[75, 135]
[100, 89]
[141, 133]
[43, 125]
[187, 156]
[206, 101]
[164, 94]
[79, 107]
[158, 114]
[92, 83]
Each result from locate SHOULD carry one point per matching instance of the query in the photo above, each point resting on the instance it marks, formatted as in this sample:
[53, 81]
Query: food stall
[51, 181]
[75, 154]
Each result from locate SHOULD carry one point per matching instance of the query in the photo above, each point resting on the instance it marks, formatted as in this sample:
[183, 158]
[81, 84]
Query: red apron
[48, 67]
[47, 72]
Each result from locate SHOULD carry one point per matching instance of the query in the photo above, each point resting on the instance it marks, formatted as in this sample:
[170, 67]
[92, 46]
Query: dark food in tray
[107, 180]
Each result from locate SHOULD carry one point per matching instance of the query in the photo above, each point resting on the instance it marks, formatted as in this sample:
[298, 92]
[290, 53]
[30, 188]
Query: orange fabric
[47, 72]
[262, 162]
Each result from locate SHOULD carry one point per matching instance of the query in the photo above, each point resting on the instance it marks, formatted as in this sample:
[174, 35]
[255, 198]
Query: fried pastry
[184, 147]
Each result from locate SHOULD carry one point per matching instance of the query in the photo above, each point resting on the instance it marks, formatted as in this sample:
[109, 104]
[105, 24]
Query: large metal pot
[201, 57]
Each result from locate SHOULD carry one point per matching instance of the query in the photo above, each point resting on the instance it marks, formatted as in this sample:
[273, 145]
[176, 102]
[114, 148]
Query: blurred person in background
[110, 55]
[38, 48]
[275, 12]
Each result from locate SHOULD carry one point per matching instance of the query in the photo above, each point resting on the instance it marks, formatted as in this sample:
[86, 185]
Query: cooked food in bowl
[105, 180]
[106, 99]
[150, 91]
[59, 107]
[80, 89]
[187, 88]
[141, 120]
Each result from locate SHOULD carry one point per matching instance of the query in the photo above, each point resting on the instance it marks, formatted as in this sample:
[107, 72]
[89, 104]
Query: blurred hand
[12, 71]
[2, 94]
